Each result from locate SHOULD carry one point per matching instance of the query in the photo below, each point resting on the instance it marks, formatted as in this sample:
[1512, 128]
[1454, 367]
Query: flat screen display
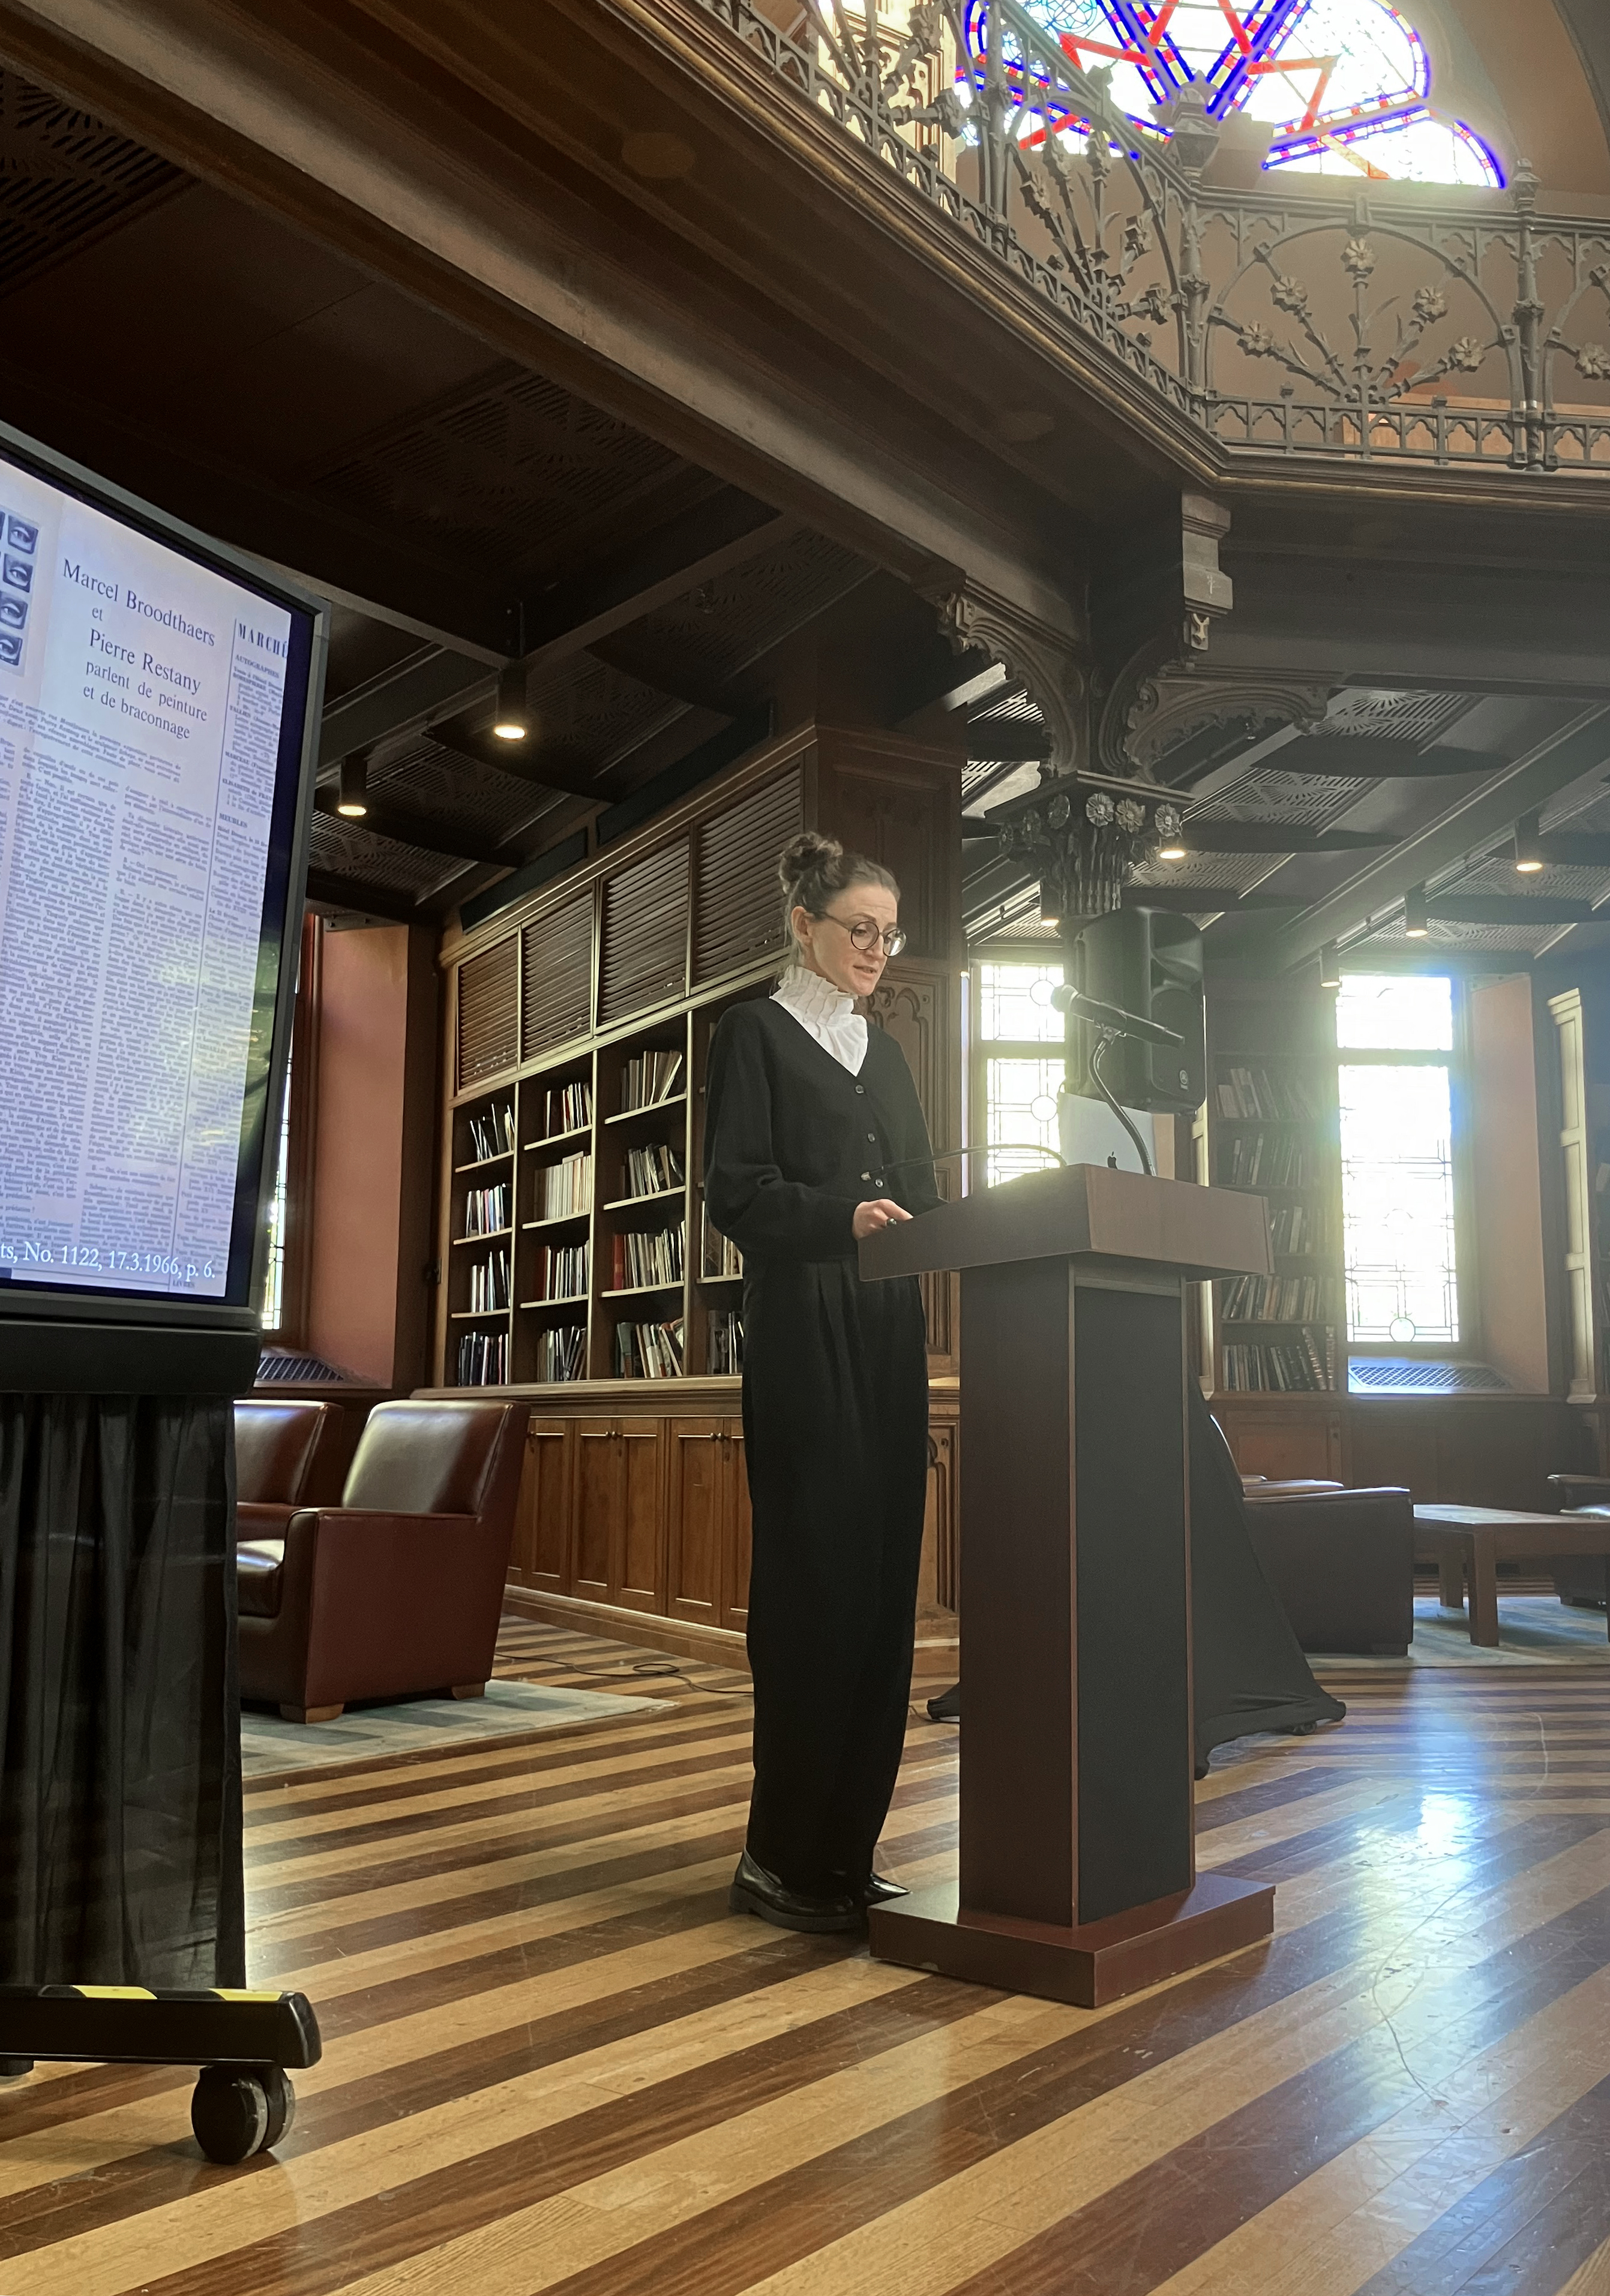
[153, 709]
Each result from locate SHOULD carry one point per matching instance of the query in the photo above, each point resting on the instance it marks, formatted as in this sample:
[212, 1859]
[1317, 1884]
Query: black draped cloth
[1248, 1671]
[119, 1731]
[835, 1419]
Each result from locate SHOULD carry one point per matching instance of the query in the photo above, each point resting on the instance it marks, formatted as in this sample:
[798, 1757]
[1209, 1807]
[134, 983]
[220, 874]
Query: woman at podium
[814, 1138]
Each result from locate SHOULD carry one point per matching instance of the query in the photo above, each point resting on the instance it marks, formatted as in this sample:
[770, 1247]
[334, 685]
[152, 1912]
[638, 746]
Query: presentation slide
[141, 701]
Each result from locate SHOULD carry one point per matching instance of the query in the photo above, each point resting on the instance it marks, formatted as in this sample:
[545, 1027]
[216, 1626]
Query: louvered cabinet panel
[489, 1019]
[557, 954]
[738, 901]
[644, 958]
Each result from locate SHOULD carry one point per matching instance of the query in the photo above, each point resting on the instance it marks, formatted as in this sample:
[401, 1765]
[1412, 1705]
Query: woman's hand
[871, 1216]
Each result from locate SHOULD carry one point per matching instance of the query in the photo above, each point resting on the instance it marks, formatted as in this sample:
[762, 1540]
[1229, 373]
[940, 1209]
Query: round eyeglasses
[865, 934]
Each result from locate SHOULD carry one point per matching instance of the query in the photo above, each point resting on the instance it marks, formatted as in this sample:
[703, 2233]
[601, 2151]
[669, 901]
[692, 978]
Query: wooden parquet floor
[554, 2062]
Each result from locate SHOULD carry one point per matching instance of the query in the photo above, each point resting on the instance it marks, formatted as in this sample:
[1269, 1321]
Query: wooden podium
[1077, 1872]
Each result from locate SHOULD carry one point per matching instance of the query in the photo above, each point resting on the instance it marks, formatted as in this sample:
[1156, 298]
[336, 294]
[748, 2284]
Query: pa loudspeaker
[1148, 962]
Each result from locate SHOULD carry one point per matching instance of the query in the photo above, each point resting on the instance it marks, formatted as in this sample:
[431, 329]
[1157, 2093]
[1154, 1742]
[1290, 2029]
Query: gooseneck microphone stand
[1111, 1022]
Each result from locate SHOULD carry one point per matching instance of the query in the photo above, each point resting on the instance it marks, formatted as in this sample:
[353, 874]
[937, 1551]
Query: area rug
[1534, 1630]
[270, 1746]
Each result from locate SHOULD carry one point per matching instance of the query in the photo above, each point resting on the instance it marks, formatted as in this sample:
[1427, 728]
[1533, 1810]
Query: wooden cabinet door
[640, 1570]
[701, 1507]
[595, 1540]
[735, 1576]
[541, 1556]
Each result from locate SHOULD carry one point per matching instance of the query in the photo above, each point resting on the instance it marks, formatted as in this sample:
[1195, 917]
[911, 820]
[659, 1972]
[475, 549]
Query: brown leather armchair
[399, 1589]
[1342, 1562]
[279, 1450]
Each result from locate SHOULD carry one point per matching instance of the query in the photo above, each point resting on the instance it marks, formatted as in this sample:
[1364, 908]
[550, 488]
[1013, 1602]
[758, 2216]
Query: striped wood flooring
[553, 2061]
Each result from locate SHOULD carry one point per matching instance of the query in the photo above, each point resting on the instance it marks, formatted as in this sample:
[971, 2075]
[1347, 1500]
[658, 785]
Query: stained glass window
[1016, 1017]
[1345, 84]
[1397, 1160]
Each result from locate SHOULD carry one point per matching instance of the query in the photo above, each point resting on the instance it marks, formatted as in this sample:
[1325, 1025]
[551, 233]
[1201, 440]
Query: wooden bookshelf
[1270, 1126]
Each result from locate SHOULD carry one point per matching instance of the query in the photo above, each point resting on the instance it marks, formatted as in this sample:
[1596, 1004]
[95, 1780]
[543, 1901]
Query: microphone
[1114, 1017]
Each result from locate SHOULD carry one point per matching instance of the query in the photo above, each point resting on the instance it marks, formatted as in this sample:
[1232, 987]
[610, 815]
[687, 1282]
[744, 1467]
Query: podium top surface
[1086, 1212]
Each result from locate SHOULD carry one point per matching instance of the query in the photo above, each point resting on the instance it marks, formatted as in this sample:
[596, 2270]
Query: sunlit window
[1345, 84]
[1021, 1082]
[1397, 1160]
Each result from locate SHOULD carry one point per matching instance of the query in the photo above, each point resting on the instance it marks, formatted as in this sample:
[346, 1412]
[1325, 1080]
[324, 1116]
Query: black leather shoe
[948, 1706]
[756, 1891]
[878, 1891]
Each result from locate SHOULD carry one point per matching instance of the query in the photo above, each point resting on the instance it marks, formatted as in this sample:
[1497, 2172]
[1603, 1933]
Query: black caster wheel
[15, 2068]
[238, 2110]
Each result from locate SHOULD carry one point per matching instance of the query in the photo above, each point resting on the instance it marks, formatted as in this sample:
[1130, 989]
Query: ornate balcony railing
[1451, 328]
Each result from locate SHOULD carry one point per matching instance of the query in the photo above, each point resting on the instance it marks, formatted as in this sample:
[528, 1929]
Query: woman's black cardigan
[793, 1143]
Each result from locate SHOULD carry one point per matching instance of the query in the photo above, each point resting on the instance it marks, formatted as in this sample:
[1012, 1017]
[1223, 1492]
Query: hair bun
[803, 854]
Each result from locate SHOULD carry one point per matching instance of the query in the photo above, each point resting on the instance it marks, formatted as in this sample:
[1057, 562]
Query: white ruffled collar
[812, 997]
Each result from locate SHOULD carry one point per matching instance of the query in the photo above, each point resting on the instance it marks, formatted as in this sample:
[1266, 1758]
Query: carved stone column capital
[1052, 666]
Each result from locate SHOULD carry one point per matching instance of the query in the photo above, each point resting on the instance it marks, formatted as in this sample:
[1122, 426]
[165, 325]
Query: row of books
[649, 1255]
[649, 1350]
[488, 1283]
[566, 1108]
[492, 1132]
[1297, 1228]
[561, 1272]
[1278, 1299]
[721, 1255]
[483, 1359]
[564, 1188]
[1254, 1091]
[1291, 1367]
[487, 1211]
[562, 1352]
[649, 1077]
[653, 1170]
[1262, 1160]
[726, 1341]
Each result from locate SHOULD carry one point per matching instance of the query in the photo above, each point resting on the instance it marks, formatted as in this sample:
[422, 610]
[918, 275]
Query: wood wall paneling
[698, 1527]
[641, 1584]
[542, 1535]
[901, 806]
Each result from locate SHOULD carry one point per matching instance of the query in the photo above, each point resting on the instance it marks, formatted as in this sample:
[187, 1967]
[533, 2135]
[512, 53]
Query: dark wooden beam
[402, 825]
[1380, 758]
[650, 663]
[1508, 909]
[1281, 837]
[1011, 741]
[524, 761]
[327, 891]
[1191, 900]
[715, 536]
[401, 700]
[1579, 848]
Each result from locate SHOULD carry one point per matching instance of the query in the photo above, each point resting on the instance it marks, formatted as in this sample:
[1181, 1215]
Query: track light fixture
[1170, 834]
[353, 799]
[513, 721]
[1415, 923]
[1330, 966]
[1050, 902]
[1528, 845]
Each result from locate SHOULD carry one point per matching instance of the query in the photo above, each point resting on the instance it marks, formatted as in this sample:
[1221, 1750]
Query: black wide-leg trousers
[835, 1419]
